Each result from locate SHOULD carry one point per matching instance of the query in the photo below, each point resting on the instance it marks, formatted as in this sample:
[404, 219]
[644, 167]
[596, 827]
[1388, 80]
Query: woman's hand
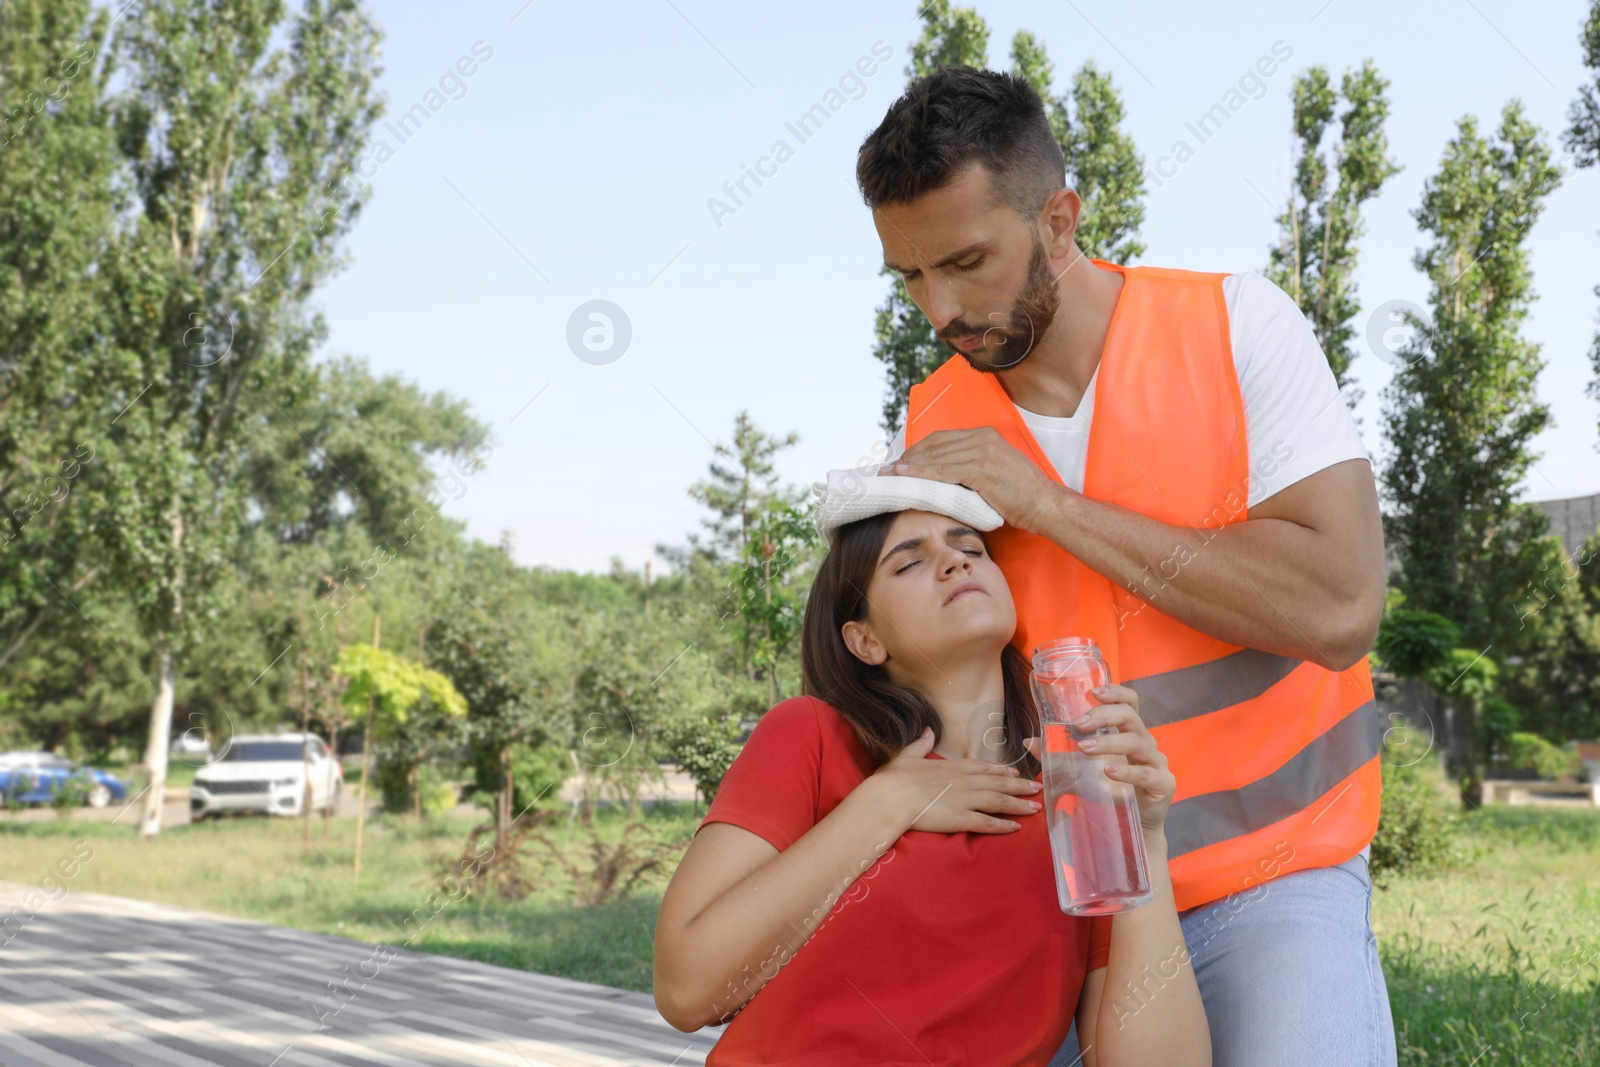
[1146, 769]
[952, 795]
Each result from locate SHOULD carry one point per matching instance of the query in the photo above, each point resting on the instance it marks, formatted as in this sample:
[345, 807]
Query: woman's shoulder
[805, 720]
[800, 715]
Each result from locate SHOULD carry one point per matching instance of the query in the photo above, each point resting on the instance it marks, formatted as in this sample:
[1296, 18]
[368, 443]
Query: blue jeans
[1289, 973]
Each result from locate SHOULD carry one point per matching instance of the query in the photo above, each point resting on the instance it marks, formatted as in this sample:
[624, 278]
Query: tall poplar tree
[1462, 414]
[57, 200]
[1583, 140]
[238, 126]
[1315, 258]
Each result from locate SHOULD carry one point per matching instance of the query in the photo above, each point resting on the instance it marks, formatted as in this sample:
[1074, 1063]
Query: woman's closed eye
[913, 562]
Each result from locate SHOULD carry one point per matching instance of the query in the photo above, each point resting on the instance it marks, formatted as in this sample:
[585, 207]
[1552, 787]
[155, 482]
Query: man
[1181, 481]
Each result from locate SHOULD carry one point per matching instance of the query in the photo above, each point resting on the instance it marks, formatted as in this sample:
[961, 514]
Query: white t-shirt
[1296, 420]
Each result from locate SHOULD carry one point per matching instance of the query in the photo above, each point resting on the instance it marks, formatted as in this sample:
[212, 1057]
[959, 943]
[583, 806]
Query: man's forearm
[1263, 583]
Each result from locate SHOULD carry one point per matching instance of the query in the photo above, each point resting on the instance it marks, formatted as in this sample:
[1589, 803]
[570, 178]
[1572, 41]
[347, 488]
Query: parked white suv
[277, 774]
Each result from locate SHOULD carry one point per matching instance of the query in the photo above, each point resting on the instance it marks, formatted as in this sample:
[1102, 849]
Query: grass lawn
[1495, 962]
[1498, 962]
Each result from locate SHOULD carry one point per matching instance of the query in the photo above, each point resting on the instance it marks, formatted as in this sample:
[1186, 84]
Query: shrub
[704, 746]
[70, 794]
[438, 795]
[537, 774]
[1419, 825]
[1530, 752]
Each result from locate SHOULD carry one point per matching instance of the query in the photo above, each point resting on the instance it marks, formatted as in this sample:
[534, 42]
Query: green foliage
[58, 162]
[1530, 752]
[71, 794]
[438, 795]
[395, 683]
[1557, 681]
[619, 708]
[513, 659]
[1462, 413]
[1412, 643]
[951, 36]
[1499, 720]
[537, 774]
[751, 575]
[771, 581]
[1315, 258]
[1419, 825]
[704, 747]
[1583, 140]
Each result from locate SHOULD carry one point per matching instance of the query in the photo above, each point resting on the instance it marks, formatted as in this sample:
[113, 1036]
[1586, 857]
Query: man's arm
[1302, 576]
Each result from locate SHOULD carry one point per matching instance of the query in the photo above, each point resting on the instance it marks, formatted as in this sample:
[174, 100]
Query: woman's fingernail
[1033, 805]
[1087, 744]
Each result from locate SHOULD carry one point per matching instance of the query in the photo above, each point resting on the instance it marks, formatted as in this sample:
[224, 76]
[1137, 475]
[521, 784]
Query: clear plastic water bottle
[1095, 839]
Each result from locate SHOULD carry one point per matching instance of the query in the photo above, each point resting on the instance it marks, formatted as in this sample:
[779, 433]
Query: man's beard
[1030, 317]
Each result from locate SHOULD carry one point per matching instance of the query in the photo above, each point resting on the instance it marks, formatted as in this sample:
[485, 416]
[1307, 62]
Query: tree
[619, 709]
[387, 691]
[1462, 413]
[771, 582]
[1315, 258]
[1556, 681]
[1102, 164]
[234, 150]
[1583, 140]
[512, 659]
[57, 199]
[742, 496]
[1423, 645]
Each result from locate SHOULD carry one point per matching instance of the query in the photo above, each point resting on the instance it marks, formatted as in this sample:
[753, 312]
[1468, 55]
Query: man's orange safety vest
[1276, 758]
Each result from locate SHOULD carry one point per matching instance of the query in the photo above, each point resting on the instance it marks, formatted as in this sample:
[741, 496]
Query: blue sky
[575, 163]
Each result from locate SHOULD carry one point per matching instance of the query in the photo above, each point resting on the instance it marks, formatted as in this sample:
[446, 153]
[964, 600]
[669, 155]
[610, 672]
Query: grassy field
[1498, 962]
[1495, 962]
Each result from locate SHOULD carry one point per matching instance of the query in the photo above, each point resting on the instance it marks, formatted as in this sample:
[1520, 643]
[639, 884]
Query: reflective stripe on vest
[1275, 757]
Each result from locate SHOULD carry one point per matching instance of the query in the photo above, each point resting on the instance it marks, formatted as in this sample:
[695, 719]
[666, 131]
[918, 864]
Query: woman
[872, 882]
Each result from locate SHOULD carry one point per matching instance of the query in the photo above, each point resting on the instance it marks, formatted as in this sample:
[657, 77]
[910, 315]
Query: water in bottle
[1096, 843]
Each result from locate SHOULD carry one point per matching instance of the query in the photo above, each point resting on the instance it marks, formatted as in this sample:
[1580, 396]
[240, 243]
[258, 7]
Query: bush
[71, 794]
[1419, 825]
[537, 774]
[704, 746]
[1530, 752]
[438, 795]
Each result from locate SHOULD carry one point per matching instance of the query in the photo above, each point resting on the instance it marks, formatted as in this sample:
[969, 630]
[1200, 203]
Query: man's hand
[988, 464]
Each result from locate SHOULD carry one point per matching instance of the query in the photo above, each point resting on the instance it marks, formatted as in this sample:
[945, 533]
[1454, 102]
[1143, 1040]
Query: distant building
[1574, 520]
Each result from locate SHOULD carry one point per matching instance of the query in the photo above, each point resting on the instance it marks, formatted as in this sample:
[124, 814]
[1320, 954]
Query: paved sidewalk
[97, 981]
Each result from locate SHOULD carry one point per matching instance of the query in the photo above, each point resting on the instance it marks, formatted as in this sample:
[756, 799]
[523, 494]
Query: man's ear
[863, 644]
[1060, 217]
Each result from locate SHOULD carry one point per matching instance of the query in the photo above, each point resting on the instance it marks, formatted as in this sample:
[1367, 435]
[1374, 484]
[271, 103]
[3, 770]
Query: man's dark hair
[951, 118]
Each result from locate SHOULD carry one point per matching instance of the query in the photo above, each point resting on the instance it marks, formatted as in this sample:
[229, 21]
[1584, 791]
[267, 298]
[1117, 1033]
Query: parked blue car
[34, 778]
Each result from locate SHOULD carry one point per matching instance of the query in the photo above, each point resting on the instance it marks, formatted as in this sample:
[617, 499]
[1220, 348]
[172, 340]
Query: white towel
[857, 492]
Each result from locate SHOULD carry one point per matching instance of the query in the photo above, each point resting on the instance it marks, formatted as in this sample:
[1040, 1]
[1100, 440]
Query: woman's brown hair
[885, 716]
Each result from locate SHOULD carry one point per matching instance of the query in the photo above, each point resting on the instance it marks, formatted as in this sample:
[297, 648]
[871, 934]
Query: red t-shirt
[949, 949]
